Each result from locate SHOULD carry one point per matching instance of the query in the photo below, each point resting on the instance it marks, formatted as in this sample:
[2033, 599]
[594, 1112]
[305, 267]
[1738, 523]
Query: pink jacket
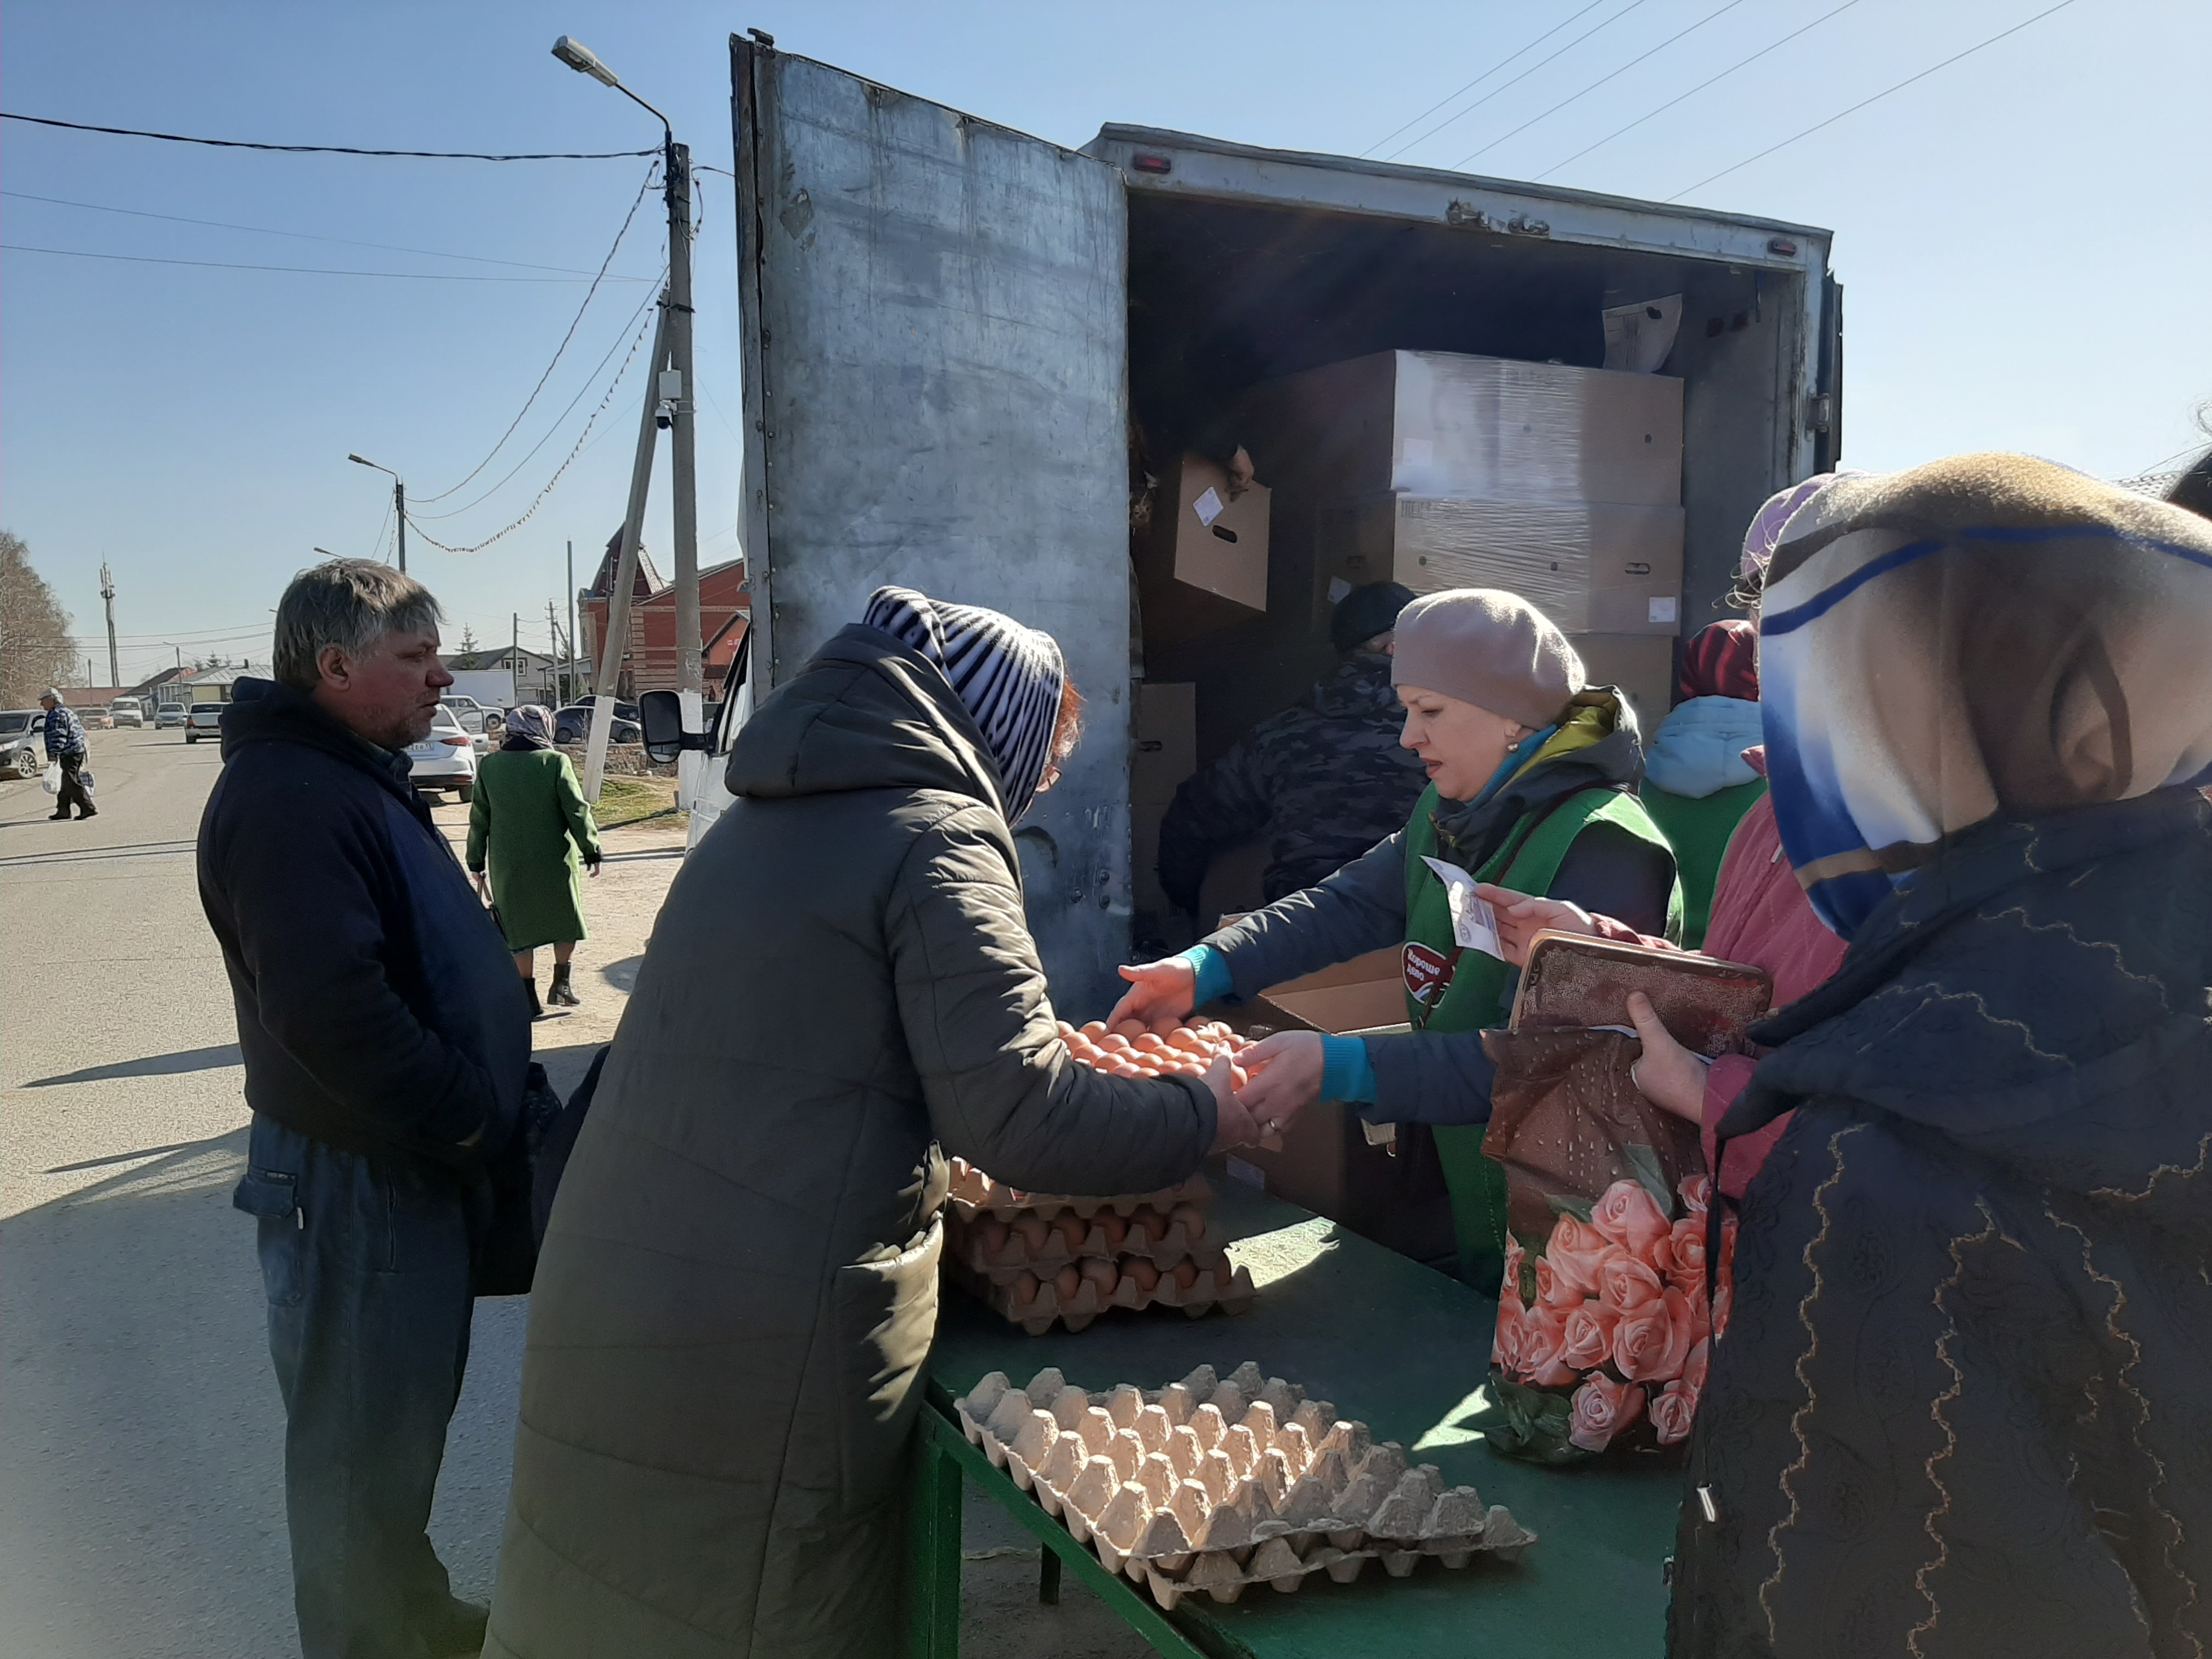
[1761, 918]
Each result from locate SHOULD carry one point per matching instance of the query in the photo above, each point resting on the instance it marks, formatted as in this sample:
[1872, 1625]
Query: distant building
[190, 685]
[649, 662]
[537, 673]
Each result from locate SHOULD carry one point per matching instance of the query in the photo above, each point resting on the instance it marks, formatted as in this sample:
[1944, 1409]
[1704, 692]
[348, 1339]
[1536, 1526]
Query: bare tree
[35, 650]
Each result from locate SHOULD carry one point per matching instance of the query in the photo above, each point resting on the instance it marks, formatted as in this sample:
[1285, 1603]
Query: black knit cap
[1366, 612]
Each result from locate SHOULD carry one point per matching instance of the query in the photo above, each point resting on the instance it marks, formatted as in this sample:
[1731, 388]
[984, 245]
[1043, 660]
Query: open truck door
[935, 329]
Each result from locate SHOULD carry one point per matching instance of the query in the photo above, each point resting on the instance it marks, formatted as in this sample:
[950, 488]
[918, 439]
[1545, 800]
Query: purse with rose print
[1607, 1313]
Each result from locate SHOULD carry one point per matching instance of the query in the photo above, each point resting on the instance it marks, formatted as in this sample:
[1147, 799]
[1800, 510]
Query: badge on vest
[1428, 973]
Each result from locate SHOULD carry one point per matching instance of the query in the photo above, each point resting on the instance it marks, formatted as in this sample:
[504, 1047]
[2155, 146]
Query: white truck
[493, 688]
[946, 325]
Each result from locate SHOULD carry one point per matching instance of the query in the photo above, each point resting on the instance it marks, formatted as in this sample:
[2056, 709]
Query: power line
[300, 235]
[1516, 80]
[1740, 64]
[527, 403]
[605, 358]
[296, 270]
[329, 150]
[1729, 6]
[540, 499]
[1877, 98]
[1478, 81]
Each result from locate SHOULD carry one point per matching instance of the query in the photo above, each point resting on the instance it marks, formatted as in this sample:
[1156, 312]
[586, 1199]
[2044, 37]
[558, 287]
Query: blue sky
[2024, 236]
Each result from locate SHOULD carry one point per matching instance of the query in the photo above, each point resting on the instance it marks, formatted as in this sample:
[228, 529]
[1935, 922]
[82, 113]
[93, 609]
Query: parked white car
[447, 759]
[128, 711]
[168, 714]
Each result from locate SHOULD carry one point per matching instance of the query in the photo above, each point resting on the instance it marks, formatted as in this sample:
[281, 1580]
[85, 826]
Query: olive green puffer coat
[739, 1289]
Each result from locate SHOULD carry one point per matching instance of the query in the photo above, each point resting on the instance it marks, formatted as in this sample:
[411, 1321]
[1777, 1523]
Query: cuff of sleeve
[1345, 1073]
[1214, 977]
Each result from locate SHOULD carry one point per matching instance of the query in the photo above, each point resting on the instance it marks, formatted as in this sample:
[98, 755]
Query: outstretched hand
[1286, 1074]
[1233, 1124]
[1160, 994]
[1667, 1074]
[1522, 916]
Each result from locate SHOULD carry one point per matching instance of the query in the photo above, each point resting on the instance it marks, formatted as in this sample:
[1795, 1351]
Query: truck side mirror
[661, 714]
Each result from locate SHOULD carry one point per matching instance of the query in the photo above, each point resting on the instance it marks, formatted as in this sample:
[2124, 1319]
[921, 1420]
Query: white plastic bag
[51, 782]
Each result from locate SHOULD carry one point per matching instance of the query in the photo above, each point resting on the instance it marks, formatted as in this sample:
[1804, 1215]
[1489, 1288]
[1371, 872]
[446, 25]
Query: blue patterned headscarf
[1986, 636]
[1008, 676]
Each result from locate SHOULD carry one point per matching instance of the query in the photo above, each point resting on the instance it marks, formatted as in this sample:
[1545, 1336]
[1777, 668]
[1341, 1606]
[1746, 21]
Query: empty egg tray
[1218, 1285]
[974, 1193]
[1212, 1485]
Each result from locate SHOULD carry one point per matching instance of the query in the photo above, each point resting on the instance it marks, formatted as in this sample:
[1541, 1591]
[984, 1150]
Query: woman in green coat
[533, 820]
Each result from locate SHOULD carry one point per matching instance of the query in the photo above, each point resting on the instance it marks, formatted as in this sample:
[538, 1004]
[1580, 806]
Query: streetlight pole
[672, 366]
[399, 504]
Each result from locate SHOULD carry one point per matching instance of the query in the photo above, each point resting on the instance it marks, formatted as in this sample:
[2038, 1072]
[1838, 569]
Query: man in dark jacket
[1324, 780]
[65, 743]
[386, 1041]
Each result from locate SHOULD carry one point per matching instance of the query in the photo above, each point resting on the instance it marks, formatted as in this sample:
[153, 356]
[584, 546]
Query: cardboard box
[1358, 995]
[1641, 664]
[1591, 568]
[1445, 423]
[1204, 564]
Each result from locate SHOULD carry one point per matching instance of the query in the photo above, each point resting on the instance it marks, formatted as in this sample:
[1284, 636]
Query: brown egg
[1114, 1043]
[1132, 1029]
[1146, 1275]
[1186, 1274]
[994, 1235]
[1150, 1043]
[1071, 1228]
[1067, 1281]
[1113, 1227]
[1033, 1229]
[1191, 1219]
[1094, 1029]
[1147, 1221]
[1104, 1274]
[1187, 1040]
[1025, 1289]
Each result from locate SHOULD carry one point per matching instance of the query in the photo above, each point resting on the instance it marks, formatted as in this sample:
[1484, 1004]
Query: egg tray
[974, 1193]
[1106, 1239]
[1217, 1284]
[1210, 1484]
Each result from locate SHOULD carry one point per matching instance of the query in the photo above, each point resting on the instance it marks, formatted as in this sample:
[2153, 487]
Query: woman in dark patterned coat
[1964, 1401]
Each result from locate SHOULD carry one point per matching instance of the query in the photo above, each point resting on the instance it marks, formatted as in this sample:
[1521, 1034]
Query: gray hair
[350, 604]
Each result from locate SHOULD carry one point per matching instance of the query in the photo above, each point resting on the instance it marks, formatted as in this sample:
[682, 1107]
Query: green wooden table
[1392, 1344]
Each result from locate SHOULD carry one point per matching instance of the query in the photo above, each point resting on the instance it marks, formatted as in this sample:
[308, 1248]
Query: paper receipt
[1475, 924]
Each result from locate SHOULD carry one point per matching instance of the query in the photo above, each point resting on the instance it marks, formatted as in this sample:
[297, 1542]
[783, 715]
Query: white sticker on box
[1475, 924]
[1662, 610]
[1207, 507]
[1337, 590]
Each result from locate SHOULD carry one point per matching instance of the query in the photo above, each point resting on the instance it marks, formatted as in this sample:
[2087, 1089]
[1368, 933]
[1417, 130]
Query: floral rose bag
[1604, 1325]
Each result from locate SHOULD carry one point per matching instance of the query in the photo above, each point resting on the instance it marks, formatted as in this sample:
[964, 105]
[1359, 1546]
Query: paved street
[140, 1509]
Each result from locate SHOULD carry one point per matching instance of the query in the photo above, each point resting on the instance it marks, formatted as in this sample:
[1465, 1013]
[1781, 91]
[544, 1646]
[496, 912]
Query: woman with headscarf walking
[1958, 1408]
[737, 1291]
[1530, 772]
[530, 822]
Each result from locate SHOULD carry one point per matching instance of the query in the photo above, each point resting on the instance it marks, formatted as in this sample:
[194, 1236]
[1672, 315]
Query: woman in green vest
[531, 819]
[1530, 775]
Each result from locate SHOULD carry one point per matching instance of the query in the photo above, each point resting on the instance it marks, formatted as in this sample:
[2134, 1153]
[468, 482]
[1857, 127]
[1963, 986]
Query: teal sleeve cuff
[1345, 1072]
[1212, 971]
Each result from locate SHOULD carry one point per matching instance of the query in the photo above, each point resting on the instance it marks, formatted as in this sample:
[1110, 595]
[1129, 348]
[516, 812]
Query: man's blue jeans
[366, 1267]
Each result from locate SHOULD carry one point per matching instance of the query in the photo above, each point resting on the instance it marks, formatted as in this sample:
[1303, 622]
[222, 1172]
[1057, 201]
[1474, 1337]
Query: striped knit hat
[1009, 677]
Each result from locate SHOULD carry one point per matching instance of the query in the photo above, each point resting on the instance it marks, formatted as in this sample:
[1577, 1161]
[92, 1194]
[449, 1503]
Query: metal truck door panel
[935, 318]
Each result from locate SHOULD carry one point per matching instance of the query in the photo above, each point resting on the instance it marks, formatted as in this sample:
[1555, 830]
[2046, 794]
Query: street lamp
[399, 502]
[676, 318]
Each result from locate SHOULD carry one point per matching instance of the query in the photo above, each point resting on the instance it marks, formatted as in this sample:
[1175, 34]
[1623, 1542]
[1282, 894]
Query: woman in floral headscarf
[531, 821]
[1960, 1406]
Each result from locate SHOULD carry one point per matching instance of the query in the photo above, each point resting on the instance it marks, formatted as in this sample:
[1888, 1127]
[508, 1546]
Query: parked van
[128, 711]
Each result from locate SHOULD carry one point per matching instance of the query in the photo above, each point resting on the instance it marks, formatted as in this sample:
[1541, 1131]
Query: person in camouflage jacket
[1324, 780]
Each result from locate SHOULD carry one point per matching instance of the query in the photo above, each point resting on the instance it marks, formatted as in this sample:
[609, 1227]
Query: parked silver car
[22, 741]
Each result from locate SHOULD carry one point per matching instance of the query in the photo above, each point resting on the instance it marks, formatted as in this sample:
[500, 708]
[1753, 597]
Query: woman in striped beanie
[737, 1290]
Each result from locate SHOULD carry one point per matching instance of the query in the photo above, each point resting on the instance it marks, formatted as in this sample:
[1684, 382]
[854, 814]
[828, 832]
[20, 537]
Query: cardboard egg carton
[974, 1193]
[1001, 1251]
[1210, 1485]
[1038, 1303]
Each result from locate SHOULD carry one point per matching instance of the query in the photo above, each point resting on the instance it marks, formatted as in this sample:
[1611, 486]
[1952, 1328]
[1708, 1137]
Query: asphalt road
[141, 1434]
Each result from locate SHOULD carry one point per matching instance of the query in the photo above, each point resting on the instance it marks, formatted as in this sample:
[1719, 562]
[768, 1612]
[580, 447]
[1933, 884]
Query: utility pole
[568, 683]
[553, 632]
[399, 506]
[681, 405]
[611, 648]
[107, 595]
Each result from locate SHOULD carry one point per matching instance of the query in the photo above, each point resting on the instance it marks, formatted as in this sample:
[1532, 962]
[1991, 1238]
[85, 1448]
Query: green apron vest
[1480, 991]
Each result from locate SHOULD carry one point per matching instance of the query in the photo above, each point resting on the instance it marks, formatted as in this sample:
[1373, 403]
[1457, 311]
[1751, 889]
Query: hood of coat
[1360, 690]
[1594, 747]
[1698, 749]
[866, 713]
[268, 711]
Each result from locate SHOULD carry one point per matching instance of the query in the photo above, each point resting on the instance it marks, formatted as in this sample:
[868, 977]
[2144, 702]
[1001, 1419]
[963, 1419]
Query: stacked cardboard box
[1442, 470]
